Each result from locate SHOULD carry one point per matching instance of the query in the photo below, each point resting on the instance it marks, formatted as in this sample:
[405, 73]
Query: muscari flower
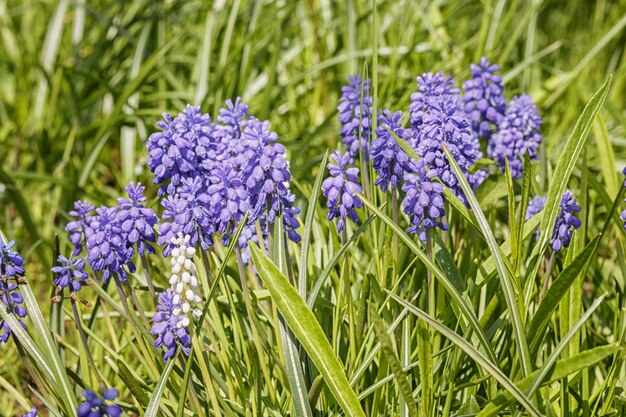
[96, 406]
[107, 245]
[566, 221]
[184, 281]
[423, 201]
[518, 132]
[77, 228]
[137, 221]
[11, 268]
[70, 273]
[388, 159]
[267, 177]
[445, 123]
[166, 326]
[623, 215]
[483, 99]
[355, 115]
[31, 413]
[187, 212]
[340, 189]
[429, 85]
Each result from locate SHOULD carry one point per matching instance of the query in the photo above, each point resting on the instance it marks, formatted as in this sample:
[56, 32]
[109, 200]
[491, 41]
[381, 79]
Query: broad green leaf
[133, 385]
[157, 393]
[473, 353]
[508, 288]
[606, 155]
[307, 330]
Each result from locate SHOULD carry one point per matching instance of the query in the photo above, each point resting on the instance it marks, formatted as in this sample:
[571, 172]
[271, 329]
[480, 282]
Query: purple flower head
[233, 120]
[228, 199]
[107, 248]
[175, 150]
[267, 176]
[535, 205]
[249, 234]
[340, 189]
[11, 263]
[389, 160]
[483, 100]
[136, 220]
[445, 123]
[566, 222]
[355, 115]
[168, 326]
[423, 201]
[623, 214]
[70, 273]
[187, 212]
[76, 228]
[429, 85]
[518, 132]
[31, 413]
[14, 302]
[96, 406]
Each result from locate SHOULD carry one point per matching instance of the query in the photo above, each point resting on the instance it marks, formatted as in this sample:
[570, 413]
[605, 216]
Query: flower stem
[146, 273]
[83, 340]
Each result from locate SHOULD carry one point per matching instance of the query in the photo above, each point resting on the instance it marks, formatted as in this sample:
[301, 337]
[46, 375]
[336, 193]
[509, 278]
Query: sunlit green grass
[83, 83]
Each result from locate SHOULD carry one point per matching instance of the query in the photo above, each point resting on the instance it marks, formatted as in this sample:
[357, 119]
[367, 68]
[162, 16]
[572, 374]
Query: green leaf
[394, 363]
[606, 155]
[155, 400]
[508, 287]
[133, 385]
[473, 353]
[307, 330]
[556, 291]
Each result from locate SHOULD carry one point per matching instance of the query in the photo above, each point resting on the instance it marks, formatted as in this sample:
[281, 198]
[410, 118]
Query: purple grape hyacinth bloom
[31, 413]
[535, 205]
[166, 326]
[429, 85]
[423, 201]
[623, 214]
[70, 273]
[188, 212]
[96, 406]
[136, 220]
[445, 123]
[340, 189]
[566, 222]
[388, 159]
[483, 100]
[518, 132]
[78, 227]
[11, 268]
[355, 116]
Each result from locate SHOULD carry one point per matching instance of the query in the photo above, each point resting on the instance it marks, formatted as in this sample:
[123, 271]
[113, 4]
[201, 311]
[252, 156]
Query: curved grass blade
[307, 330]
[465, 308]
[155, 400]
[473, 353]
[508, 287]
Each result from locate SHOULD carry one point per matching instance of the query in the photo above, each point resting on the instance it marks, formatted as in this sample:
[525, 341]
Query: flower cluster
[566, 221]
[11, 275]
[388, 159]
[518, 133]
[483, 99]
[112, 233]
[355, 116]
[222, 171]
[423, 201]
[180, 302]
[31, 413]
[340, 189]
[429, 85]
[70, 273]
[623, 214]
[96, 406]
[535, 205]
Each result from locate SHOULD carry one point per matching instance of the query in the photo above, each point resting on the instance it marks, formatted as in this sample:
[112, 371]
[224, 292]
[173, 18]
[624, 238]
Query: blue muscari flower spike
[388, 159]
[566, 221]
[136, 220]
[107, 245]
[423, 201]
[483, 100]
[340, 189]
[77, 228]
[31, 413]
[166, 326]
[11, 269]
[96, 406]
[234, 119]
[355, 115]
[623, 214]
[518, 132]
[429, 85]
[70, 273]
[187, 212]
[175, 151]
[267, 177]
[445, 123]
